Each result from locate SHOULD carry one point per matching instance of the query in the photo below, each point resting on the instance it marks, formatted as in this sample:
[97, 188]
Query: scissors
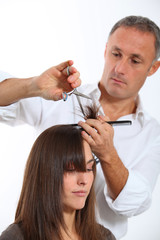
[78, 94]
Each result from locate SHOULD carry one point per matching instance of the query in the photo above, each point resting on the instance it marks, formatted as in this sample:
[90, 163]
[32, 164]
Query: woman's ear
[154, 68]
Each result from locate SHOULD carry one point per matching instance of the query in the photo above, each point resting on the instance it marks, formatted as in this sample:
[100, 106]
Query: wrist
[109, 156]
[32, 89]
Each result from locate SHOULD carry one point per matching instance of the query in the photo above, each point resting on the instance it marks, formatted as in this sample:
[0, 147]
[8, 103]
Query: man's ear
[105, 51]
[154, 68]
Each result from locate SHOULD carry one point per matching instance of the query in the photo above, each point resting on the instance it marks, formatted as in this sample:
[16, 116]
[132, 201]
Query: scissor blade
[80, 94]
[80, 104]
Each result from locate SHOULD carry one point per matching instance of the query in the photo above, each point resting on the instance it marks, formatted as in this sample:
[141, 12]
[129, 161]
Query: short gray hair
[142, 24]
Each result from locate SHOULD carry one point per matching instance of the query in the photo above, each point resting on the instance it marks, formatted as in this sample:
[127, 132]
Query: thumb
[103, 118]
[63, 65]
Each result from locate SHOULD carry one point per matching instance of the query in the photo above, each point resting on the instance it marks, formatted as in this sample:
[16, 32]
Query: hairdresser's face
[129, 55]
[77, 185]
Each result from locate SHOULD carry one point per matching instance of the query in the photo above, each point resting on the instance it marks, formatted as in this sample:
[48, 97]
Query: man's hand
[49, 85]
[54, 81]
[99, 136]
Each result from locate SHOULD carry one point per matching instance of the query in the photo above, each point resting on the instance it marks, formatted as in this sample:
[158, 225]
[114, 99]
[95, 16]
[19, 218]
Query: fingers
[99, 136]
[64, 65]
[94, 128]
[73, 76]
[90, 133]
[97, 129]
[69, 71]
[103, 118]
[66, 71]
[88, 138]
[55, 80]
[76, 83]
[74, 80]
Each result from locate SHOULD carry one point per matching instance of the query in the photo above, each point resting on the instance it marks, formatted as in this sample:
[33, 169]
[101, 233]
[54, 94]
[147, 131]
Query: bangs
[73, 157]
[75, 163]
[64, 147]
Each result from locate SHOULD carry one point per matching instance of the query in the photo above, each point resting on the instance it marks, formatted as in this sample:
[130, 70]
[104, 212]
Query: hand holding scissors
[78, 94]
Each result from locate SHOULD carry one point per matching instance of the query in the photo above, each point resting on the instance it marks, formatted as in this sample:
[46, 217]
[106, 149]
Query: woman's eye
[89, 169]
[71, 170]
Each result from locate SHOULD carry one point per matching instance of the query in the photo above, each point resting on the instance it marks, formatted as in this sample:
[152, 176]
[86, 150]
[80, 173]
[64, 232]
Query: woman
[57, 200]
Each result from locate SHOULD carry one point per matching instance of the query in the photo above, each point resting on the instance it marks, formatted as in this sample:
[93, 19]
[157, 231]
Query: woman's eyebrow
[91, 160]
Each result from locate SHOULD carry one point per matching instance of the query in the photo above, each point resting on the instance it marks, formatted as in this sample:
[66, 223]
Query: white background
[37, 34]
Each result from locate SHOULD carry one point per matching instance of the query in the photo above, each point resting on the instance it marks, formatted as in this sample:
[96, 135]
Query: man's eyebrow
[116, 48]
[136, 55]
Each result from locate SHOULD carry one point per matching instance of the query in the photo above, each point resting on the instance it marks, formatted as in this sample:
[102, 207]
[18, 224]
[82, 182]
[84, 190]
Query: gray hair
[142, 24]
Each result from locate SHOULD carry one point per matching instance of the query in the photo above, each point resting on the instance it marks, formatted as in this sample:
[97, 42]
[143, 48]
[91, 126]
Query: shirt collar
[95, 92]
[138, 115]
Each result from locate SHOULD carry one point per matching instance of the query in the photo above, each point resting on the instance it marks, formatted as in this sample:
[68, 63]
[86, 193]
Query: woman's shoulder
[106, 233]
[13, 232]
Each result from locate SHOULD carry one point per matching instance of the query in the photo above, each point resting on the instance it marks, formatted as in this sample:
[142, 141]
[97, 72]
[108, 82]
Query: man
[129, 155]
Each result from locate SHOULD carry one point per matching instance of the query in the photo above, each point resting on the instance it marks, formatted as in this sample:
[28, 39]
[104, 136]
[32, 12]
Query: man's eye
[135, 61]
[116, 54]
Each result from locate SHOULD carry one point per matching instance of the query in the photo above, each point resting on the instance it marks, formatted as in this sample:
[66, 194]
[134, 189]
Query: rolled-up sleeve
[135, 197]
[9, 113]
[27, 110]
[5, 75]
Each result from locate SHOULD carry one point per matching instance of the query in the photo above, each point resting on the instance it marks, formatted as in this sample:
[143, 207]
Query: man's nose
[121, 66]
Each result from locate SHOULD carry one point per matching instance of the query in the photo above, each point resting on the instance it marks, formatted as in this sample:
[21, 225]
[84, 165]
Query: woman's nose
[82, 178]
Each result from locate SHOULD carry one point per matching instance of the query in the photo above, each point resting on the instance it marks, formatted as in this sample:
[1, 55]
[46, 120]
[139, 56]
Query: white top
[138, 146]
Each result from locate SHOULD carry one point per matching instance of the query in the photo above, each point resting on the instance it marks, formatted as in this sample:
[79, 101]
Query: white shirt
[138, 146]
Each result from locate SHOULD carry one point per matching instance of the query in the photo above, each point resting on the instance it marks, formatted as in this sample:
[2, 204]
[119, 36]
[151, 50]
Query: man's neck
[115, 108]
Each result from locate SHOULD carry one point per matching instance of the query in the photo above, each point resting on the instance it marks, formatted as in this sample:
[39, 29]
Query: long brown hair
[39, 212]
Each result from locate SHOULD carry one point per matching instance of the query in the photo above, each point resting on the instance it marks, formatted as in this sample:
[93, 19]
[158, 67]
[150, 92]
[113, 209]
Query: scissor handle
[64, 96]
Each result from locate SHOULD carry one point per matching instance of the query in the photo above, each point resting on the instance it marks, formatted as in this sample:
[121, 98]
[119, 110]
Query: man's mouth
[118, 81]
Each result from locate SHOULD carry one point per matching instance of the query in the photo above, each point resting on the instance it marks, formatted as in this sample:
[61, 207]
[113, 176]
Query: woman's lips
[80, 193]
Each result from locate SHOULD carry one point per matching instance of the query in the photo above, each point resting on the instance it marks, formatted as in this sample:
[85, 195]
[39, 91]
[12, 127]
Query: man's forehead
[131, 33]
[132, 40]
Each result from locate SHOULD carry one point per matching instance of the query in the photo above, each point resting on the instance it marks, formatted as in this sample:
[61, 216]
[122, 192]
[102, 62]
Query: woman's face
[77, 185]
